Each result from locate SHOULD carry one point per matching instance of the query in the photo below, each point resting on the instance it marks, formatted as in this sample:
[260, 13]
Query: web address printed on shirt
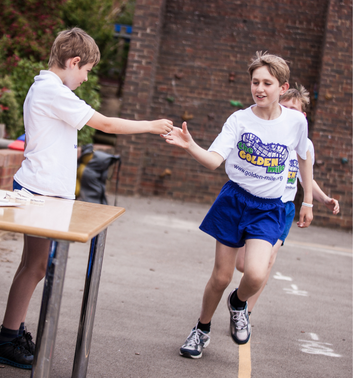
[255, 175]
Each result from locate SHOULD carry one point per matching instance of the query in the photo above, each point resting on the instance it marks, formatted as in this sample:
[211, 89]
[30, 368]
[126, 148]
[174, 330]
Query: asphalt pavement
[156, 265]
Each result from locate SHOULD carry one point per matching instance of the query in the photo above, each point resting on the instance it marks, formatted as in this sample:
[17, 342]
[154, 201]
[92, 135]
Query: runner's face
[265, 88]
[292, 104]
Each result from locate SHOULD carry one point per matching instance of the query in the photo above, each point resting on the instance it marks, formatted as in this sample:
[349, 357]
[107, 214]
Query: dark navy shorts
[16, 185]
[237, 215]
[290, 213]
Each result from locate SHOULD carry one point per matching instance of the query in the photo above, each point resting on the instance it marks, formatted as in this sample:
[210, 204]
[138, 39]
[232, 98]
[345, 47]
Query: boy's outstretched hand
[161, 126]
[182, 138]
[179, 137]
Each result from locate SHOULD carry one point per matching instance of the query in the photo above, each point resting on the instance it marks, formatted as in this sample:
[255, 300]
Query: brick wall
[332, 129]
[10, 162]
[138, 88]
[190, 57]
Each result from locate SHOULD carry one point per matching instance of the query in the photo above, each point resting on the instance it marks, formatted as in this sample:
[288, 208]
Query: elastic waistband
[250, 196]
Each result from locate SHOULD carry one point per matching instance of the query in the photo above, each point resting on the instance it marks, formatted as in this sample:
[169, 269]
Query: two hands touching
[179, 137]
[161, 126]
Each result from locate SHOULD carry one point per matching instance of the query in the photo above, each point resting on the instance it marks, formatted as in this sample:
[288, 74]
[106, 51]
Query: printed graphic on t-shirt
[293, 171]
[270, 156]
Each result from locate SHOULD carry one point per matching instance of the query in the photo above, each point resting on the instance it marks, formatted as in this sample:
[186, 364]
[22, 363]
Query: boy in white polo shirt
[52, 116]
[256, 144]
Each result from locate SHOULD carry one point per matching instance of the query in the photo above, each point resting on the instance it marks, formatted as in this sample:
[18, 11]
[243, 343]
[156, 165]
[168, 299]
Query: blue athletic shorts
[237, 215]
[290, 213]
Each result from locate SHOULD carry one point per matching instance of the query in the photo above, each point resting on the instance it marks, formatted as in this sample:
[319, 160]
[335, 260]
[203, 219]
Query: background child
[52, 116]
[256, 143]
[297, 99]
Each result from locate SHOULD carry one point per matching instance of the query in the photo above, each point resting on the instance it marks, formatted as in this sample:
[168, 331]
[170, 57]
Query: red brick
[186, 38]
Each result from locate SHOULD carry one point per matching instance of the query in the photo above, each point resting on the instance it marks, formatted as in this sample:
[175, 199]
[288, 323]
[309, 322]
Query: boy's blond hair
[298, 93]
[276, 65]
[71, 43]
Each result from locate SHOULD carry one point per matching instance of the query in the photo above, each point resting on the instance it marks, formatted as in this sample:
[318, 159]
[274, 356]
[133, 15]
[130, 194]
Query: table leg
[88, 309]
[50, 309]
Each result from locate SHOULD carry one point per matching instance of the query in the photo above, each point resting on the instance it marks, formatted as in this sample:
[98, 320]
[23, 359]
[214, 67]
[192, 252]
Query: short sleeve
[71, 109]
[310, 148]
[302, 147]
[225, 141]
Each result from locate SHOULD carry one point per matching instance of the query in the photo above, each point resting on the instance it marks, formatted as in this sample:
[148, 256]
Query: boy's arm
[114, 125]
[306, 172]
[182, 138]
[331, 203]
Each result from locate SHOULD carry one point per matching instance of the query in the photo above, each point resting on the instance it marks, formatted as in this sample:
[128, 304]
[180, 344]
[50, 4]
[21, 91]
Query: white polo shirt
[52, 116]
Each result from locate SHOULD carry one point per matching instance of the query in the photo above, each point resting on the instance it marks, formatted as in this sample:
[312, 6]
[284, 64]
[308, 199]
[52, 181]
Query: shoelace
[18, 348]
[28, 337]
[239, 319]
[195, 338]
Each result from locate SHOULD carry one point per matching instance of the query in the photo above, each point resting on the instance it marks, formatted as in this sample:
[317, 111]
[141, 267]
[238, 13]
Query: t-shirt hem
[44, 193]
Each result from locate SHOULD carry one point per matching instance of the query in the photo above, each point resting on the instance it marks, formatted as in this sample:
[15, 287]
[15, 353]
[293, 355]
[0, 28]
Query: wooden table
[63, 222]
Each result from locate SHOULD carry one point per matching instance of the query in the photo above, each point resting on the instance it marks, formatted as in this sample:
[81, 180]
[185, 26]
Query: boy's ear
[72, 62]
[284, 88]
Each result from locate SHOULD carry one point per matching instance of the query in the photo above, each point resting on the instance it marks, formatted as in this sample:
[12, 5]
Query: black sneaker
[27, 343]
[194, 344]
[240, 328]
[14, 354]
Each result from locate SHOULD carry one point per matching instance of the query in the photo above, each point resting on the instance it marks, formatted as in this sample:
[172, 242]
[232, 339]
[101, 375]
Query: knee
[37, 271]
[255, 279]
[37, 274]
[41, 272]
[221, 281]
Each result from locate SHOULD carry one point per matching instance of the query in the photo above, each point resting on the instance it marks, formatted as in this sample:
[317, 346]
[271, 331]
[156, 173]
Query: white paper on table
[9, 204]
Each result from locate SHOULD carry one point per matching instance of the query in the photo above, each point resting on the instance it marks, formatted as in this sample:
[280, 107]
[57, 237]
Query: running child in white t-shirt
[256, 144]
[52, 116]
[298, 99]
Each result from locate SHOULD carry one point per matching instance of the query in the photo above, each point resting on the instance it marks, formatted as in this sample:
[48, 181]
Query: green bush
[27, 29]
[97, 18]
[22, 78]
[9, 109]
[89, 92]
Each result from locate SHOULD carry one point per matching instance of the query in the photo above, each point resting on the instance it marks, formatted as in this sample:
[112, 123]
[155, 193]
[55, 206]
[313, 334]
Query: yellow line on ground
[244, 361]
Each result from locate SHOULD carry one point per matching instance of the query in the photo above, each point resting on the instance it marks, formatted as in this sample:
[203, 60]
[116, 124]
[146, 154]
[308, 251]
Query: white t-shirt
[257, 150]
[293, 172]
[52, 116]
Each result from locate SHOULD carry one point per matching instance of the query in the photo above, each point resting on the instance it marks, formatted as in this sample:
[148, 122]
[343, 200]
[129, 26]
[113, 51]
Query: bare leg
[252, 300]
[21, 265]
[34, 263]
[220, 279]
[239, 261]
[257, 258]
